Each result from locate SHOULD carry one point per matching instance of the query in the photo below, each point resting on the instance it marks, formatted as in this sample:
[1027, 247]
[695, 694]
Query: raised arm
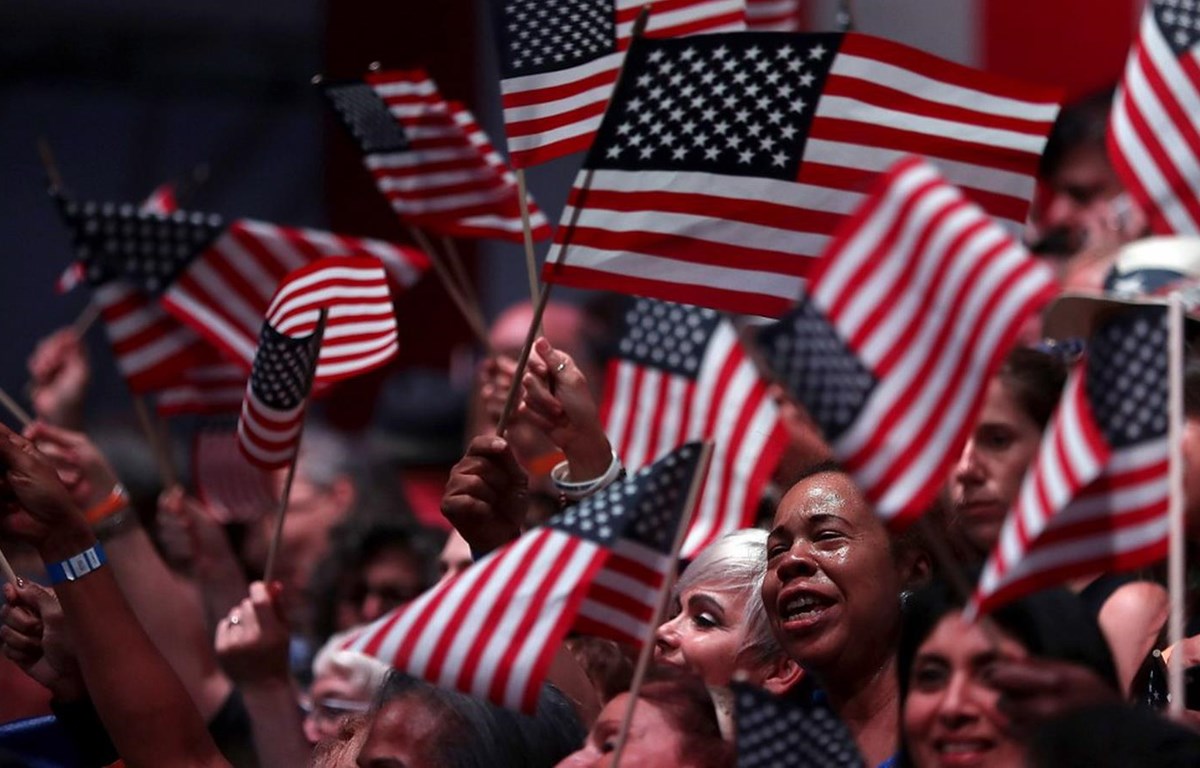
[145, 708]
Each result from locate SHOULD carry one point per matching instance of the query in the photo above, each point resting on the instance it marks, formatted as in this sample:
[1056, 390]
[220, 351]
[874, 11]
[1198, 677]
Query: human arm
[59, 374]
[1131, 619]
[254, 652]
[196, 544]
[167, 604]
[144, 706]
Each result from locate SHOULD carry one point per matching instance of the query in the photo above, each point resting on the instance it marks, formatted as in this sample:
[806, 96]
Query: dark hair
[1114, 736]
[685, 702]
[354, 543]
[473, 733]
[1191, 389]
[1035, 379]
[1051, 624]
[1080, 123]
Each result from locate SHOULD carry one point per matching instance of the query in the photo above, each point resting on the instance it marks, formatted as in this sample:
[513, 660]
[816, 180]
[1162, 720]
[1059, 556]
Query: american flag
[429, 159]
[726, 161]
[493, 630]
[235, 490]
[681, 374]
[908, 315]
[774, 15]
[210, 386]
[217, 279]
[559, 60]
[127, 256]
[225, 292]
[1096, 496]
[466, 121]
[1154, 129]
[273, 408]
[360, 323]
[775, 732]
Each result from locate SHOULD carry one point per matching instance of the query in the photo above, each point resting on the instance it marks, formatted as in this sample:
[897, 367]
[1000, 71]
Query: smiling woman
[832, 592]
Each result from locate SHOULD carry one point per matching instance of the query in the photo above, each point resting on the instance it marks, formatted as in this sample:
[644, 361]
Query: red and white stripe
[929, 293]
[267, 436]
[746, 244]
[225, 292]
[493, 630]
[444, 181]
[623, 598]
[774, 15]
[151, 348]
[235, 490]
[1082, 509]
[211, 387]
[556, 113]
[648, 413]
[360, 326]
[508, 219]
[1154, 130]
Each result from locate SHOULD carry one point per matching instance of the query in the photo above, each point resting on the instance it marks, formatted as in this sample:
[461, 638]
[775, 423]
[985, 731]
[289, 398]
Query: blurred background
[132, 93]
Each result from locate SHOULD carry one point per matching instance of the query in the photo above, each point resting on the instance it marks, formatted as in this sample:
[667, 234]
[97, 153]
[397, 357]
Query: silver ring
[561, 366]
[235, 619]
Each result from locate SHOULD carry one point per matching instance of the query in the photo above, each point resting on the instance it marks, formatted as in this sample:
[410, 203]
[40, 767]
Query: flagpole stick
[273, 547]
[845, 16]
[1176, 555]
[158, 446]
[460, 271]
[7, 569]
[84, 322]
[527, 236]
[510, 403]
[473, 320]
[48, 163]
[15, 409]
[664, 594]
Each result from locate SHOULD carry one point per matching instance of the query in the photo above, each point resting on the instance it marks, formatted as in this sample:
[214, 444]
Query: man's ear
[915, 567]
[783, 675]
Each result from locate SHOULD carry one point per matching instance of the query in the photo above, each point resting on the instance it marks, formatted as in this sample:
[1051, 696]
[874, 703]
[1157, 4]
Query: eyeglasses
[332, 709]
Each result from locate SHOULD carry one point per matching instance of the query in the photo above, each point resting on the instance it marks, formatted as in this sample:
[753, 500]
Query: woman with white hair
[720, 630]
[344, 684]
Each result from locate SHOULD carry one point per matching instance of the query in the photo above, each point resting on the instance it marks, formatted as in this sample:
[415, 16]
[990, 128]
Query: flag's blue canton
[645, 507]
[148, 249]
[1179, 21]
[816, 367]
[779, 733]
[1127, 380]
[548, 35]
[670, 337]
[367, 117]
[283, 366]
[658, 494]
[729, 104]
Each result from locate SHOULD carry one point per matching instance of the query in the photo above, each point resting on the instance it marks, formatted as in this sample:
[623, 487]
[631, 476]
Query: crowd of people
[167, 648]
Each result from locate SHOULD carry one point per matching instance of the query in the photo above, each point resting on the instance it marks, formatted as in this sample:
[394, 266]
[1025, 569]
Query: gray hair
[737, 561]
[364, 672]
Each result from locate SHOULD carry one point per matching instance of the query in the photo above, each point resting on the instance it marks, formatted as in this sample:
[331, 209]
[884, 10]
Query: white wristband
[574, 490]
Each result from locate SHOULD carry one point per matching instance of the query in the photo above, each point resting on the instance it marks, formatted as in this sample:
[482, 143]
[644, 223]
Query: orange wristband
[115, 502]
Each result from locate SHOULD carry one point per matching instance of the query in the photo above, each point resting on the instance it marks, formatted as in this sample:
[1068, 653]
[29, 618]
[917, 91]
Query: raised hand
[33, 635]
[60, 373]
[558, 401]
[487, 495]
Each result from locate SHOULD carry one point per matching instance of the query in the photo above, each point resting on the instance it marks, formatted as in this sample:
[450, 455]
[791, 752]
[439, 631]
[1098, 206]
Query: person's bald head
[562, 324]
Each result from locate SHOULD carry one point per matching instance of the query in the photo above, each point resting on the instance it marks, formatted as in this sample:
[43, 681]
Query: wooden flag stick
[845, 16]
[475, 321]
[273, 548]
[1176, 553]
[48, 163]
[664, 594]
[158, 446]
[7, 569]
[460, 272]
[527, 232]
[15, 409]
[84, 322]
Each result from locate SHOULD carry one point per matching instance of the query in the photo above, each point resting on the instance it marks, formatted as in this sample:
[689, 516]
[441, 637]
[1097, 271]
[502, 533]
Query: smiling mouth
[962, 752]
[803, 609]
